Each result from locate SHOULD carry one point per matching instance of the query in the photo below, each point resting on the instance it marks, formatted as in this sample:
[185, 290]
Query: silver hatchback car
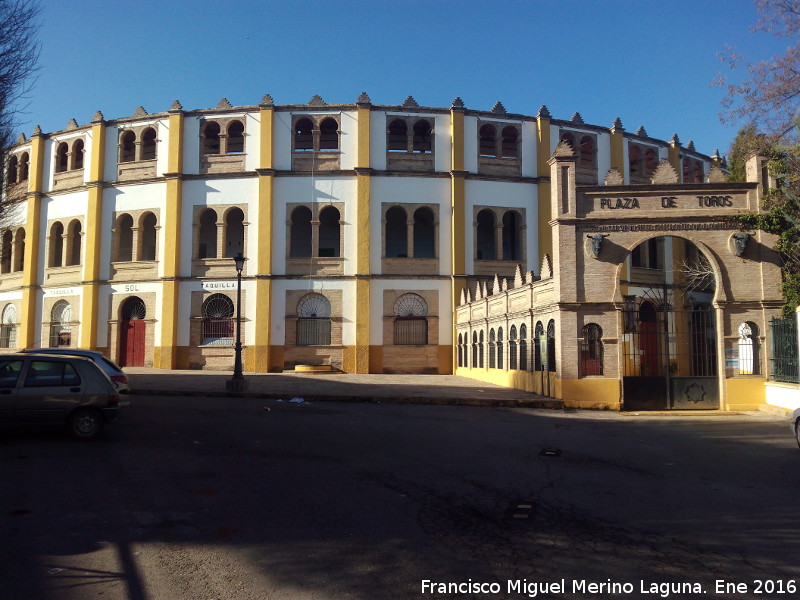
[108, 366]
[69, 390]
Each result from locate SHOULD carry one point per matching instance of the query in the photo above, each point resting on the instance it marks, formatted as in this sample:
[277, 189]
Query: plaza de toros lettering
[666, 202]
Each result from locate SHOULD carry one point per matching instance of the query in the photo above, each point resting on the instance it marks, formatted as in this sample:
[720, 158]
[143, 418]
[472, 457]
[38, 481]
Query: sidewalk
[344, 387]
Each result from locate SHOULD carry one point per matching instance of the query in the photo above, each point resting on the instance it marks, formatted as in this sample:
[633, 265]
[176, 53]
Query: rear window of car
[9, 373]
[45, 373]
[111, 364]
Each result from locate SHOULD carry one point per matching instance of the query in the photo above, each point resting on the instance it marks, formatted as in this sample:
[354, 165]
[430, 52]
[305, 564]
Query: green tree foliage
[770, 99]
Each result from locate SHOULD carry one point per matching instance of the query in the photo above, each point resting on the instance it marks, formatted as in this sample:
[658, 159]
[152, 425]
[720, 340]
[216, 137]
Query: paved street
[245, 498]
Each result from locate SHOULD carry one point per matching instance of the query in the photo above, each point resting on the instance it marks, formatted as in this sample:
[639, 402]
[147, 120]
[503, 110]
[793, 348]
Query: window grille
[314, 322]
[523, 347]
[492, 350]
[748, 349]
[410, 324]
[60, 325]
[551, 346]
[512, 349]
[591, 350]
[537, 348]
[8, 328]
[218, 322]
[500, 348]
[784, 350]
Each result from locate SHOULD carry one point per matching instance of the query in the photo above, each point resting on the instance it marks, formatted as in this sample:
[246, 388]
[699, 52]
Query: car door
[51, 387]
[10, 370]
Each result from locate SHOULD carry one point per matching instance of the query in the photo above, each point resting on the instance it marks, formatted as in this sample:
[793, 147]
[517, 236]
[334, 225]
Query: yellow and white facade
[362, 225]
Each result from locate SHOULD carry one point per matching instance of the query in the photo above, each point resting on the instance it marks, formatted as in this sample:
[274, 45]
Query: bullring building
[364, 226]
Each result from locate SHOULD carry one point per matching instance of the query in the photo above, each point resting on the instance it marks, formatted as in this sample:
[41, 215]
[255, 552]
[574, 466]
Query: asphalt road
[228, 499]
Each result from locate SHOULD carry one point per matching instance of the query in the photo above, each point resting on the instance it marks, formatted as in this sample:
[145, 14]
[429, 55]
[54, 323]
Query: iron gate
[669, 357]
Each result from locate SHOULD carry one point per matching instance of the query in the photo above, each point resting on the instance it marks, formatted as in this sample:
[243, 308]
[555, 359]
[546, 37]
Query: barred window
[410, 323]
[61, 325]
[492, 350]
[500, 348]
[474, 349]
[537, 346]
[512, 348]
[8, 327]
[523, 347]
[748, 349]
[314, 321]
[460, 350]
[551, 345]
[591, 350]
[218, 322]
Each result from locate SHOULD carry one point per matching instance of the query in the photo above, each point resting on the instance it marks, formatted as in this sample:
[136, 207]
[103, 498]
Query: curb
[549, 403]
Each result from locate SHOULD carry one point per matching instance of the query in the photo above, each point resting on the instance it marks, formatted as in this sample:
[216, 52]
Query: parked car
[50, 389]
[114, 372]
[796, 425]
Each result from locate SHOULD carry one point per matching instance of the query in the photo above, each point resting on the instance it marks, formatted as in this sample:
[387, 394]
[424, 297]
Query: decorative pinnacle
[543, 112]
[457, 103]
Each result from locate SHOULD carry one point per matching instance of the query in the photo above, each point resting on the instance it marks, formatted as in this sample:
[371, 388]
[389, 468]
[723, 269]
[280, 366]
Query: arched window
[127, 146]
[512, 235]
[500, 350]
[208, 234]
[300, 233]
[480, 349]
[512, 348]
[218, 322]
[303, 135]
[235, 137]
[313, 320]
[587, 152]
[211, 138]
[149, 144]
[125, 237]
[56, 245]
[11, 170]
[62, 157]
[23, 166]
[329, 232]
[460, 362]
[634, 160]
[133, 309]
[474, 349]
[77, 154]
[61, 325]
[748, 349]
[397, 136]
[551, 345]
[8, 327]
[509, 146]
[410, 322]
[492, 349]
[234, 232]
[329, 135]
[422, 141]
[486, 140]
[537, 347]
[74, 243]
[486, 245]
[424, 233]
[147, 235]
[591, 350]
[5, 251]
[19, 249]
[523, 347]
[396, 233]
[650, 162]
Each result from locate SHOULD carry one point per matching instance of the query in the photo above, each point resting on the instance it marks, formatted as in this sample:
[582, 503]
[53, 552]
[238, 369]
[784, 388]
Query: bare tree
[19, 54]
[770, 96]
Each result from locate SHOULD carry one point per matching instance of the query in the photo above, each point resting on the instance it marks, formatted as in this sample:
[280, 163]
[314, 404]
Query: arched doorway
[132, 330]
[669, 347]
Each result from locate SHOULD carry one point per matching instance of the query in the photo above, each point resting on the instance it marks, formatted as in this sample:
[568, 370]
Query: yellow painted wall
[745, 393]
[30, 275]
[545, 232]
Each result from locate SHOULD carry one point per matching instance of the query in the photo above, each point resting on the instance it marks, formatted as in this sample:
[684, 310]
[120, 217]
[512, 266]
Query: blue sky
[650, 64]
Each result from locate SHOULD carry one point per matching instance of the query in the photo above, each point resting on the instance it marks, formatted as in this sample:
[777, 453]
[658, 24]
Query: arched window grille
[512, 348]
[218, 322]
[492, 349]
[61, 325]
[133, 309]
[537, 347]
[500, 351]
[8, 327]
[480, 349]
[523, 347]
[410, 323]
[551, 345]
[591, 350]
[314, 320]
[460, 362]
[474, 349]
[748, 349]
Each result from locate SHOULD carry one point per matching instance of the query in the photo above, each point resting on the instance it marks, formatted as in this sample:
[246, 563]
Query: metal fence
[784, 350]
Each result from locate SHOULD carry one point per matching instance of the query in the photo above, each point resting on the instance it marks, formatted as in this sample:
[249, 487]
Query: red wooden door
[649, 343]
[131, 343]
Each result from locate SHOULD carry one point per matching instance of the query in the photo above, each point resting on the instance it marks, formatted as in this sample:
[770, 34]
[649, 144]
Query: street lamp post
[238, 383]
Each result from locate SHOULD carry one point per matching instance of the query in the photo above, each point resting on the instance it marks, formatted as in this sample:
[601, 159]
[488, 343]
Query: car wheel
[797, 431]
[85, 424]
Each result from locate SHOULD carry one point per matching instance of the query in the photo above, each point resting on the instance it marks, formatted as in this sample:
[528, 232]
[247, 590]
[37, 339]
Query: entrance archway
[669, 347]
[132, 332]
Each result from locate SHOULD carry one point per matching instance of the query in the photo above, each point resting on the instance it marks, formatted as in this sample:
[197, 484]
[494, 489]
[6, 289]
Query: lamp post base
[236, 385]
